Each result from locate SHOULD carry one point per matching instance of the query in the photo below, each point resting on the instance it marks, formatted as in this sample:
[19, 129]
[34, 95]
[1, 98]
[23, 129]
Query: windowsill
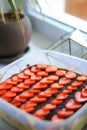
[39, 41]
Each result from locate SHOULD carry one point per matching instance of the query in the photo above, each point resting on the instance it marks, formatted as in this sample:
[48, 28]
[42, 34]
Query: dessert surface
[45, 91]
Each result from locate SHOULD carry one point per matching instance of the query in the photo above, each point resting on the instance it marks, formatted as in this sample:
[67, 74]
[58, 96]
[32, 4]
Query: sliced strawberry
[15, 89]
[67, 91]
[39, 86]
[41, 66]
[28, 72]
[86, 87]
[23, 76]
[46, 81]
[82, 78]
[42, 73]
[56, 86]
[70, 75]
[30, 109]
[35, 69]
[18, 99]
[29, 82]
[10, 81]
[35, 78]
[51, 68]
[41, 112]
[72, 88]
[38, 100]
[56, 102]
[60, 73]
[8, 99]
[17, 104]
[22, 85]
[34, 91]
[3, 86]
[79, 98]
[2, 92]
[62, 96]
[73, 105]
[16, 79]
[26, 94]
[8, 86]
[9, 94]
[44, 95]
[65, 113]
[28, 104]
[84, 92]
[52, 77]
[49, 107]
[64, 81]
[76, 84]
[51, 91]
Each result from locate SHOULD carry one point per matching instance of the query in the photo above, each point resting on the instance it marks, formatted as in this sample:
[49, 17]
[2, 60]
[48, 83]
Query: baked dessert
[45, 91]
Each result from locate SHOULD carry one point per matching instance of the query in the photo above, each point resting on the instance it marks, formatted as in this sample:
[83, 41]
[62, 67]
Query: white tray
[22, 120]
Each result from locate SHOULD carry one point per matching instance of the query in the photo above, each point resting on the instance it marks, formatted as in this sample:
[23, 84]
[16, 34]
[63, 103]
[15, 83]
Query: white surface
[38, 42]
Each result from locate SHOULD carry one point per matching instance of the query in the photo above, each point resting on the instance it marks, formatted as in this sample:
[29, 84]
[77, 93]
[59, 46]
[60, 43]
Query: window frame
[54, 29]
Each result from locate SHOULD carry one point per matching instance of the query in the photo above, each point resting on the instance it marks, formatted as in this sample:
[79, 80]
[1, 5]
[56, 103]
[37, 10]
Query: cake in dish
[45, 91]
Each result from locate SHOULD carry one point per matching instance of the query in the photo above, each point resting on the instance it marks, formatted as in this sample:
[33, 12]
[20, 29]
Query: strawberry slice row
[66, 112]
[53, 104]
[35, 89]
[70, 108]
[19, 82]
[81, 97]
[43, 96]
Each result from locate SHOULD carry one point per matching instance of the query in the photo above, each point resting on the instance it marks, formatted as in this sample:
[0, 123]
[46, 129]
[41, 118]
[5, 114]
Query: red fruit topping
[73, 105]
[79, 98]
[60, 73]
[51, 69]
[65, 113]
[70, 75]
[56, 86]
[64, 81]
[49, 107]
[62, 96]
[82, 78]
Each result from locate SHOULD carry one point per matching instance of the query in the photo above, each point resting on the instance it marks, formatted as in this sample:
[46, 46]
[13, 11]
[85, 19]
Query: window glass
[71, 12]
